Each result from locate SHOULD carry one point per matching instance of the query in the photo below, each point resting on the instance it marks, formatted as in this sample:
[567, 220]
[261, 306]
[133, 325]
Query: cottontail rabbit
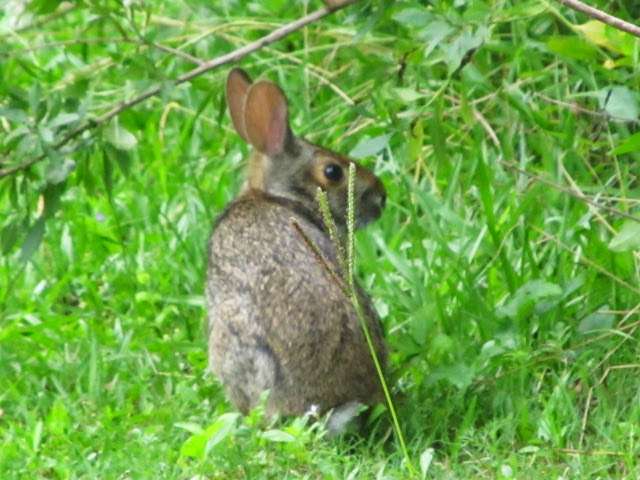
[277, 320]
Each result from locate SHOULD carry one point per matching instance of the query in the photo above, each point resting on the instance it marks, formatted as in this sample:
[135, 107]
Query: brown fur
[277, 320]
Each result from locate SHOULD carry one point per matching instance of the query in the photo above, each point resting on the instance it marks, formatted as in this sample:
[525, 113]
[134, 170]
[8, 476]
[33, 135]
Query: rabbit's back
[277, 320]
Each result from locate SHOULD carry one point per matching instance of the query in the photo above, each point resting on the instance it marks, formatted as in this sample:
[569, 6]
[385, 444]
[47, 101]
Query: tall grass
[505, 267]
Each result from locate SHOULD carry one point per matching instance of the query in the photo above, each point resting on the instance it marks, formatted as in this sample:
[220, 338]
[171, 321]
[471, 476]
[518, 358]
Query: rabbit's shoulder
[266, 218]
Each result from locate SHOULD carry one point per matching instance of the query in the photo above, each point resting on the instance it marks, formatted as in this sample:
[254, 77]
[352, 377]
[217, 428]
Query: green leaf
[627, 239]
[107, 173]
[200, 444]
[194, 447]
[434, 34]
[369, 146]
[44, 6]
[570, 46]
[14, 115]
[36, 438]
[528, 296]
[51, 195]
[413, 17]
[524, 9]
[441, 345]
[278, 436]
[9, 236]
[120, 137]
[605, 36]
[619, 102]
[459, 375]
[33, 240]
[408, 95]
[462, 46]
[629, 145]
[425, 461]
[58, 419]
[64, 119]
[59, 171]
[597, 321]
[123, 160]
[189, 427]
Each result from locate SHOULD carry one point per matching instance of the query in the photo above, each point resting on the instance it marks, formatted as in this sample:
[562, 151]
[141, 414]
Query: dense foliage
[506, 267]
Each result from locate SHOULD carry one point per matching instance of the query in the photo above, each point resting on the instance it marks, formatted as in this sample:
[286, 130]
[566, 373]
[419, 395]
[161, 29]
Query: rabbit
[277, 319]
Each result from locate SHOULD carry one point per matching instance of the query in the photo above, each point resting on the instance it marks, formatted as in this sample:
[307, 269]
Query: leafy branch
[234, 56]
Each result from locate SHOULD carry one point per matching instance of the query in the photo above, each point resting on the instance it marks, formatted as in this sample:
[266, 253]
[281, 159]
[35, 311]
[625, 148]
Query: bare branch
[230, 57]
[603, 17]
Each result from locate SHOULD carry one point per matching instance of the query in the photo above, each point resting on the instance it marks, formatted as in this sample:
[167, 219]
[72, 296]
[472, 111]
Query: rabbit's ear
[266, 118]
[238, 83]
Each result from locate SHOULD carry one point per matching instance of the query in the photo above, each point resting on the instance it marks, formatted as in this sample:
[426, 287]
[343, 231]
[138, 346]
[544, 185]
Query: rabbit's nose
[377, 198]
[374, 200]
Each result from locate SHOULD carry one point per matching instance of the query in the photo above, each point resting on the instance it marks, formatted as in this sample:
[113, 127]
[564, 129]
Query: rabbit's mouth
[371, 207]
[368, 215]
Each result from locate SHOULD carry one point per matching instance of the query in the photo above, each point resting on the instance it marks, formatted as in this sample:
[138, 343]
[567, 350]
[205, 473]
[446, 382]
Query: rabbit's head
[287, 166]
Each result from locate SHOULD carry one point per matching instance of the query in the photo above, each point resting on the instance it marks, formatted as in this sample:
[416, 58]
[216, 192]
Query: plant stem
[361, 317]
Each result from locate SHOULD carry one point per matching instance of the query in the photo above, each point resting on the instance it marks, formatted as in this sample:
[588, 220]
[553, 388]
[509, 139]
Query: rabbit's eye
[333, 172]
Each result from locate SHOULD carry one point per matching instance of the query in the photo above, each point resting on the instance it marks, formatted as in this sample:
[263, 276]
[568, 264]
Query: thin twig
[616, 367]
[318, 72]
[594, 209]
[604, 360]
[230, 57]
[577, 108]
[591, 453]
[62, 11]
[99, 40]
[588, 262]
[542, 359]
[603, 17]
[571, 192]
[487, 127]
[177, 53]
[585, 417]
[587, 407]
[617, 331]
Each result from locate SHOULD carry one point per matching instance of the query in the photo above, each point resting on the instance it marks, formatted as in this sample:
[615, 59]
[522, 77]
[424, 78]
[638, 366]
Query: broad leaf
[598, 320]
[9, 236]
[456, 51]
[528, 296]
[59, 171]
[425, 461]
[33, 240]
[605, 36]
[413, 17]
[630, 144]
[278, 436]
[120, 137]
[570, 46]
[627, 239]
[619, 102]
[200, 444]
[369, 146]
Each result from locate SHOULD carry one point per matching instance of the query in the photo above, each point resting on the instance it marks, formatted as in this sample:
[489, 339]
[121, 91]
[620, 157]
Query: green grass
[504, 269]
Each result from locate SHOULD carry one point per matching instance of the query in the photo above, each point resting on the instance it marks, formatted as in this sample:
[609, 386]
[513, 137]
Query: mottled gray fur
[277, 320]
